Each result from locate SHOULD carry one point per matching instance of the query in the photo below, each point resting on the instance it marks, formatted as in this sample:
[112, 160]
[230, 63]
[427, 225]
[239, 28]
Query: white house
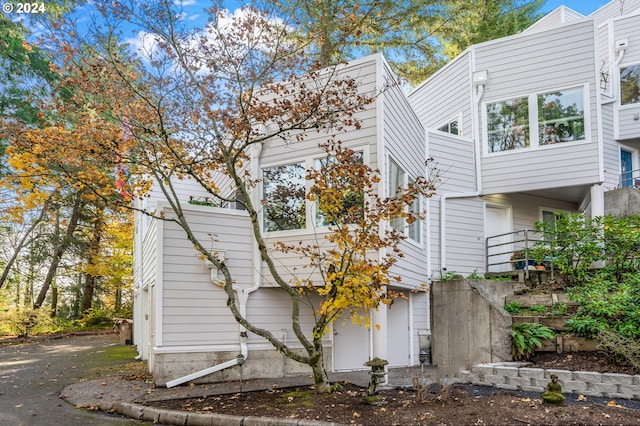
[182, 324]
[521, 127]
[548, 120]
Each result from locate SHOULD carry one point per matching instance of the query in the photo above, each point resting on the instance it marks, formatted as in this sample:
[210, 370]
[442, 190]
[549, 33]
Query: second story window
[452, 127]
[537, 120]
[398, 180]
[284, 197]
[508, 125]
[561, 116]
[630, 85]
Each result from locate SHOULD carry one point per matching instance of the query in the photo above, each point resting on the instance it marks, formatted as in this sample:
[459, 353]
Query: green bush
[98, 318]
[526, 337]
[513, 307]
[538, 309]
[584, 326]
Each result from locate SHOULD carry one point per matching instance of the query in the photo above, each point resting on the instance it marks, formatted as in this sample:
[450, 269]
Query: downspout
[479, 90]
[242, 294]
[620, 47]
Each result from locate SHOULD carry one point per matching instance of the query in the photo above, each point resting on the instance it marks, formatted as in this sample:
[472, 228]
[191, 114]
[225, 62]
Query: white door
[398, 337]
[350, 345]
[498, 222]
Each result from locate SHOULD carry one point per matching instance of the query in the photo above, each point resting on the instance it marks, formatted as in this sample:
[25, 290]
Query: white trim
[534, 143]
[158, 315]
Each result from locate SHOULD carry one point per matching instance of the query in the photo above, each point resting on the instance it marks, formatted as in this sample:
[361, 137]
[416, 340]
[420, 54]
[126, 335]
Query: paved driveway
[33, 374]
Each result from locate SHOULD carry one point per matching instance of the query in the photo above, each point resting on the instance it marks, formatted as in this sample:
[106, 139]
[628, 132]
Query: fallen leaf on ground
[582, 398]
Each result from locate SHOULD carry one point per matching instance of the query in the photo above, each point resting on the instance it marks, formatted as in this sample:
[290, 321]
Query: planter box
[566, 343]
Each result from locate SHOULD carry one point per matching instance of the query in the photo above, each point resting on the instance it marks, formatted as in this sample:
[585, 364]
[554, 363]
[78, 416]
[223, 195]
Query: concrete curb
[516, 376]
[184, 418]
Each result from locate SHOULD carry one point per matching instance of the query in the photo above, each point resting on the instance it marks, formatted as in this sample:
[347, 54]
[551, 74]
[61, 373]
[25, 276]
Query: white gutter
[444, 197]
[620, 47]
[241, 293]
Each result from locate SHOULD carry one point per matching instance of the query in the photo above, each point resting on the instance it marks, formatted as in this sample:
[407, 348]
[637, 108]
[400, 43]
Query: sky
[585, 7]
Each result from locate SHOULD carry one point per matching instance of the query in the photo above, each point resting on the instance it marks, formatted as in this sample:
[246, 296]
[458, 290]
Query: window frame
[406, 227]
[620, 68]
[457, 119]
[308, 161]
[262, 197]
[534, 122]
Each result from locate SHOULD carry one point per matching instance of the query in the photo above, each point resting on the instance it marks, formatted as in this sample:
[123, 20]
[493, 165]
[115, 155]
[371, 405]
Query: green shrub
[513, 307]
[98, 318]
[538, 309]
[584, 326]
[559, 309]
[526, 337]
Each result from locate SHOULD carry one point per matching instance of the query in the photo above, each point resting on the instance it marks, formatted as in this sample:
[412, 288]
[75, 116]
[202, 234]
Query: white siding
[613, 9]
[366, 72]
[555, 18]
[194, 310]
[464, 216]
[446, 95]
[270, 308]
[404, 141]
[517, 67]
[465, 235]
[611, 150]
[627, 28]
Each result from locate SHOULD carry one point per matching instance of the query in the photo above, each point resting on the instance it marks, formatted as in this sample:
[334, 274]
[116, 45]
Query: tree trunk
[59, 252]
[87, 292]
[21, 244]
[54, 299]
[92, 258]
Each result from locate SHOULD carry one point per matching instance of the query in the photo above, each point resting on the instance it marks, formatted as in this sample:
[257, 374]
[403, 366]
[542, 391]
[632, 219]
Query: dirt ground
[433, 405]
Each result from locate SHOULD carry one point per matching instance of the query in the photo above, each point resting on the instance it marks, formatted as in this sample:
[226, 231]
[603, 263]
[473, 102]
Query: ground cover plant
[598, 261]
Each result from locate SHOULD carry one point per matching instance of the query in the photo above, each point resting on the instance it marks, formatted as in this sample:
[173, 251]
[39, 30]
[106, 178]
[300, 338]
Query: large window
[508, 125]
[397, 181]
[561, 116]
[344, 207]
[284, 197]
[537, 120]
[630, 85]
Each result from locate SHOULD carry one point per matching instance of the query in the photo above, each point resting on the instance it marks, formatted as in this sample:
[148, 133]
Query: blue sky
[583, 6]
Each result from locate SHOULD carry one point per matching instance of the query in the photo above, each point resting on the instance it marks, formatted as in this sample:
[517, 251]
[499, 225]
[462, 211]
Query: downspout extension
[241, 294]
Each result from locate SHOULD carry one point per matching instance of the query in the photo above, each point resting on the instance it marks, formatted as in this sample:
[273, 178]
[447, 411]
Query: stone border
[518, 377]
[185, 418]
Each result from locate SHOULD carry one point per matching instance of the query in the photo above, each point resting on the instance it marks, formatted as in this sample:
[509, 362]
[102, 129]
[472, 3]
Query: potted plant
[521, 258]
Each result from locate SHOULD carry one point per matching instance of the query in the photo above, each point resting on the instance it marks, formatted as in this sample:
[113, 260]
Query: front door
[626, 166]
[497, 223]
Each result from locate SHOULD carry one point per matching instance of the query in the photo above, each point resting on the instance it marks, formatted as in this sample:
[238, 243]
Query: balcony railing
[630, 178]
[501, 251]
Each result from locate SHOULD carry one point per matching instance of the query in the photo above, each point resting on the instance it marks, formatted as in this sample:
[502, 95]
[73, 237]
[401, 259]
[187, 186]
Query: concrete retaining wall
[469, 324]
[516, 376]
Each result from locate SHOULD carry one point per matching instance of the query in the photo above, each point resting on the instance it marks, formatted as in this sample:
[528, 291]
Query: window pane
[630, 85]
[284, 197]
[414, 227]
[396, 182]
[351, 206]
[508, 125]
[561, 116]
[453, 127]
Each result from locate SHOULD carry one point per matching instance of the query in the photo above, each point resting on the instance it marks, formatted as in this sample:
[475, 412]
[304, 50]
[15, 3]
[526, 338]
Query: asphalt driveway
[32, 375]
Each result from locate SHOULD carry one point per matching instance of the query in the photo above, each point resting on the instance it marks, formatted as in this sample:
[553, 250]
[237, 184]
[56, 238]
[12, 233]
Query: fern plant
[526, 337]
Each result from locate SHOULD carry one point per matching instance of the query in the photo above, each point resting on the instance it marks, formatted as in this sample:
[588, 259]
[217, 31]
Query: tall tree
[199, 107]
[416, 36]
